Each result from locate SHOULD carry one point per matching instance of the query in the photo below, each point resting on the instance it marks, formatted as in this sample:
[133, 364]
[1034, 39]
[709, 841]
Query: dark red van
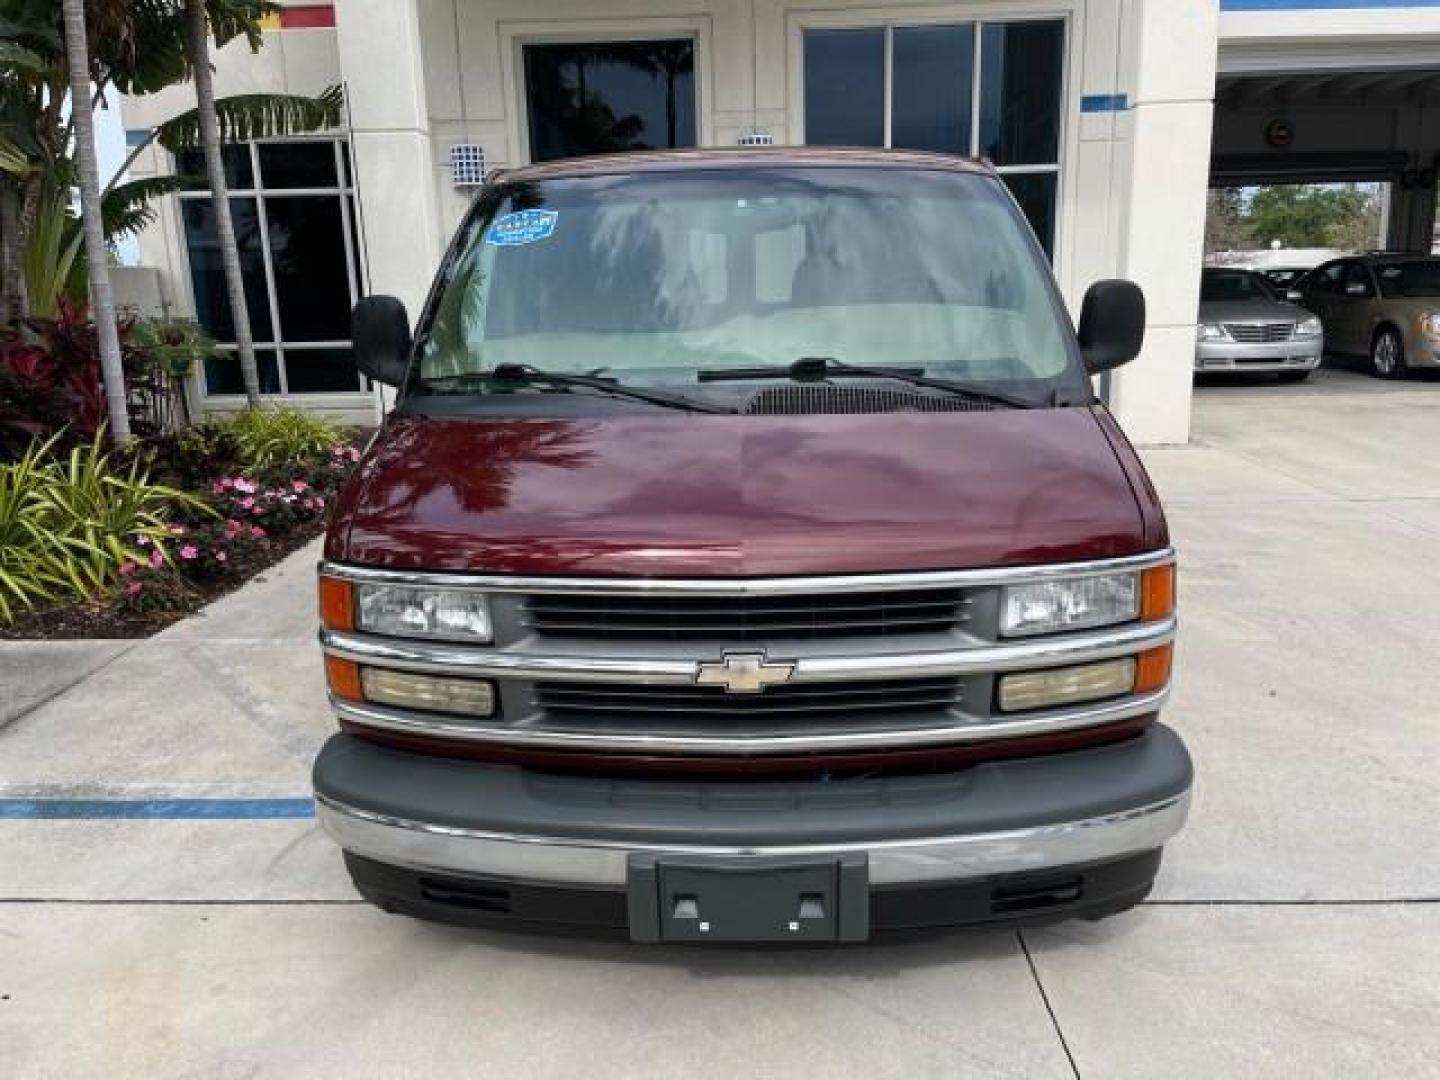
[747, 558]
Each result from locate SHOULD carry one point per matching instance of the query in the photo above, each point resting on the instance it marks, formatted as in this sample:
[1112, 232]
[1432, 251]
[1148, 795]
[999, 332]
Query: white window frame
[354, 264]
[515, 36]
[977, 15]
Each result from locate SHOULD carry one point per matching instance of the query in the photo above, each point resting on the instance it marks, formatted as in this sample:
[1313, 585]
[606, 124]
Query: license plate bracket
[749, 899]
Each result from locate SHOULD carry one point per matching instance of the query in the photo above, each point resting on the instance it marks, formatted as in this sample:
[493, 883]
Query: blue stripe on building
[1098, 103]
[155, 809]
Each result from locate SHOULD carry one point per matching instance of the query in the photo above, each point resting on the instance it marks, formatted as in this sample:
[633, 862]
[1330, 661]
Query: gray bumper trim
[421, 846]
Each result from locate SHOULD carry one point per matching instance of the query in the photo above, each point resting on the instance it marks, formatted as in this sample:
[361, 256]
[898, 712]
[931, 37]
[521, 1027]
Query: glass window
[1356, 280]
[933, 86]
[222, 373]
[299, 261]
[1410, 277]
[1327, 278]
[1020, 66]
[207, 274]
[297, 165]
[845, 87]
[315, 371]
[600, 97]
[307, 257]
[1035, 192]
[1219, 286]
[235, 161]
[911, 267]
[936, 89]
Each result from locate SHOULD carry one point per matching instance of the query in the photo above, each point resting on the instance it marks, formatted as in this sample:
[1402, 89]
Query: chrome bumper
[422, 846]
[1297, 354]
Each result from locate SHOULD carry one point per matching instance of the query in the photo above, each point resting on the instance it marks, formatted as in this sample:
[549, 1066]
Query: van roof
[737, 157]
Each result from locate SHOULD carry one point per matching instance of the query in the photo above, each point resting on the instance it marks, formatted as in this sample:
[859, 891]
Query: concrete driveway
[169, 909]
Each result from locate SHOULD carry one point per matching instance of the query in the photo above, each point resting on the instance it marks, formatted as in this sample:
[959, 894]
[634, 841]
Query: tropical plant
[265, 438]
[68, 525]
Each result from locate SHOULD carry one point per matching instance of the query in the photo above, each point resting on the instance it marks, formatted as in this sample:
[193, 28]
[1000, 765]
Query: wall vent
[467, 165]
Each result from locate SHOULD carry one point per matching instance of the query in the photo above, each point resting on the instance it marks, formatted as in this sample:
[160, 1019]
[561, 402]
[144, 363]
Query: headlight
[1309, 328]
[417, 611]
[1430, 324]
[1044, 607]
[1066, 686]
[1211, 332]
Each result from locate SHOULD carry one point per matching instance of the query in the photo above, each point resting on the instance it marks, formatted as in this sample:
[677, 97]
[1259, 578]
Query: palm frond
[256, 116]
[15, 57]
[235, 18]
[130, 207]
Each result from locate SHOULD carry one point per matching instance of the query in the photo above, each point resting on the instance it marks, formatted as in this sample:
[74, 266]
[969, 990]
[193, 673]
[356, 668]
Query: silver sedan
[1245, 326]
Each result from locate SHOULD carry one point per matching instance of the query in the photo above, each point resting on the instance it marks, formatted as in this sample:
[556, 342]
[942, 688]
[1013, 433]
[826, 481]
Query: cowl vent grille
[818, 398]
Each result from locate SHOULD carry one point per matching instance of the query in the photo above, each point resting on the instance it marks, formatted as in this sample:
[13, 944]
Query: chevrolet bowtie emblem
[743, 673]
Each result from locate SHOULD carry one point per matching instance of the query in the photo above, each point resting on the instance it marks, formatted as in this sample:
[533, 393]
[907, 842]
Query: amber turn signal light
[337, 604]
[1157, 592]
[344, 678]
[1152, 669]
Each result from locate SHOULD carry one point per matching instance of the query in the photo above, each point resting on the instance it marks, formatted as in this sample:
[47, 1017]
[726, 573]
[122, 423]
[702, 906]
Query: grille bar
[1260, 333]
[703, 705]
[748, 618]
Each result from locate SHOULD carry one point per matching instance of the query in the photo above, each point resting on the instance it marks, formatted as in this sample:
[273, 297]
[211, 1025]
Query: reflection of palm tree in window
[576, 118]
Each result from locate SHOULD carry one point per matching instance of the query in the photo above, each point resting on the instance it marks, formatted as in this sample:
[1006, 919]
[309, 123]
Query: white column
[383, 67]
[1162, 165]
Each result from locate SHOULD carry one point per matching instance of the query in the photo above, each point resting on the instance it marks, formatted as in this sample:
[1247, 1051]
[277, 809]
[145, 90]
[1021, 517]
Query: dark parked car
[747, 558]
[1382, 306]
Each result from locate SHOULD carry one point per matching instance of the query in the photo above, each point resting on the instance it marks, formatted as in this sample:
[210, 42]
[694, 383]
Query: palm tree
[198, 42]
[102, 301]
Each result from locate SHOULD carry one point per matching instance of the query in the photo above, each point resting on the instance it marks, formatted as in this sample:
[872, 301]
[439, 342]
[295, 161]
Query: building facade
[1099, 115]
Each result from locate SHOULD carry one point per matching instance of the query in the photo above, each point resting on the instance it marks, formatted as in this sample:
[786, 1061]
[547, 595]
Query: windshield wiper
[526, 375]
[819, 368]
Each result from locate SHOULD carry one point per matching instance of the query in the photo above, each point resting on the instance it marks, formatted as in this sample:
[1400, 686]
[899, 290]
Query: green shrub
[265, 438]
[67, 525]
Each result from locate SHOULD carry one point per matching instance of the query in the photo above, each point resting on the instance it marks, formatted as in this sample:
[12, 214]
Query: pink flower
[309, 504]
[189, 552]
[157, 560]
[298, 486]
[224, 483]
[134, 589]
[319, 503]
[246, 503]
[233, 528]
[257, 509]
[143, 541]
[128, 567]
[220, 556]
[246, 487]
[256, 531]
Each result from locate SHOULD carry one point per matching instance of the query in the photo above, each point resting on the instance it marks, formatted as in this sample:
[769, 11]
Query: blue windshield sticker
[522, 227]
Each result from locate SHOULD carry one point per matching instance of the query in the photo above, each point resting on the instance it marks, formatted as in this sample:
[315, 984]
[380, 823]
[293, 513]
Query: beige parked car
[1384, 306]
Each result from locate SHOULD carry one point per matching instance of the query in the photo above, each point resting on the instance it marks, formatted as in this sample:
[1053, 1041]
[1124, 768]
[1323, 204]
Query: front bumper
[404, 819]
[1297, 354]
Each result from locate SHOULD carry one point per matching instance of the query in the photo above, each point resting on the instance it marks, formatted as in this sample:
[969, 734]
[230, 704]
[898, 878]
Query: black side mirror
[1112, 325]
[380, 331]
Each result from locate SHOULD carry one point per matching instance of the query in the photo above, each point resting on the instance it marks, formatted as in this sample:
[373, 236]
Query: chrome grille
[747, 618]
[704, 706]
[1260, 333]
[817, 398]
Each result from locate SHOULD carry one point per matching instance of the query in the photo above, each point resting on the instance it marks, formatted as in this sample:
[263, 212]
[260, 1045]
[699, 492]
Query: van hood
[719, 496]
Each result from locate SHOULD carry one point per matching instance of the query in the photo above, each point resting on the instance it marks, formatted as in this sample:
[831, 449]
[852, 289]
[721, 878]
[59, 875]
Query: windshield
[1414, 277]
[1218, 286]
[655, 277]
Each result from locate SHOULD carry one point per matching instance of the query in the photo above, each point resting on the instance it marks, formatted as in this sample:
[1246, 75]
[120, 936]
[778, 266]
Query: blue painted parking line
[155, 809]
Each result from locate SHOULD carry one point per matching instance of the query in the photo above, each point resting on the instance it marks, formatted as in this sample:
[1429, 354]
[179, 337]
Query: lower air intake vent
[819, 398]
